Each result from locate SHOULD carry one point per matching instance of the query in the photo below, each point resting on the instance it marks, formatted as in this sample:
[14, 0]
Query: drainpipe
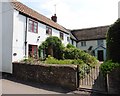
[26, 38]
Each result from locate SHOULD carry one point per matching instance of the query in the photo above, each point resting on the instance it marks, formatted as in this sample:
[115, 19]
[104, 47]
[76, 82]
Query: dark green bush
[108, 66]
[52, 46]
[113, 42]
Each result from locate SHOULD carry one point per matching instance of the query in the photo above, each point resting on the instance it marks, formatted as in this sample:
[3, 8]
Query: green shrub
[52, 46]
[113, 42]
[70, 46]
[75, 53]
[52, 60]
[78, 61]
[31, 60]
[84, 70]
[108, 66]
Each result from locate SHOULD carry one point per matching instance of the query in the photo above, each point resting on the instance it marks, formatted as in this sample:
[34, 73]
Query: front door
[100, 55]
[33, 51]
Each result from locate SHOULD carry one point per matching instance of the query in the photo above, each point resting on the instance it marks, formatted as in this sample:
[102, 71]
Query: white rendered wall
[32, 37]
[65, 42]
[18, 36]
[7, 35]
[90, 43]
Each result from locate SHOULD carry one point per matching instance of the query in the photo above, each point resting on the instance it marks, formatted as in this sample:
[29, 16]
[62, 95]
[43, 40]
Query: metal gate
[93, 80]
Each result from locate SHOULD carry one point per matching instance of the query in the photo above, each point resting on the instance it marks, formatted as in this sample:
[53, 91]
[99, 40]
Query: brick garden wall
[60, 75]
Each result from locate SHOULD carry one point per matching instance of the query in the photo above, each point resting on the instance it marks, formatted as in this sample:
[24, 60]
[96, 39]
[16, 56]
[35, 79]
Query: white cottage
[23, 30]
[92, 40]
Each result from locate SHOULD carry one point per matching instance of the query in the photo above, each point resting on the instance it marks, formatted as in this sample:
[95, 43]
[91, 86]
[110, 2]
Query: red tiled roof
[91, 33]
[30, 12]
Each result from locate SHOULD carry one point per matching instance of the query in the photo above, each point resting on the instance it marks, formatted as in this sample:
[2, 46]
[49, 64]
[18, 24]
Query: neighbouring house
[92, 40]
[23, 30]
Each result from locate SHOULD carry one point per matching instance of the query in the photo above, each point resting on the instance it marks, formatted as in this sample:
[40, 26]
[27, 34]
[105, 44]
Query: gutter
[26, 38]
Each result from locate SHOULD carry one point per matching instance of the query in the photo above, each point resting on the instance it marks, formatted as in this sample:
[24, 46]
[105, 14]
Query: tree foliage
[52, 46]
[113, 42]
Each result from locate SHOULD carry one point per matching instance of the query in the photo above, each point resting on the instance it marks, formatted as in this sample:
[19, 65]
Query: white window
[33, 26]
[61, 35]
[83, 43]
[48, 30]
[68, 39]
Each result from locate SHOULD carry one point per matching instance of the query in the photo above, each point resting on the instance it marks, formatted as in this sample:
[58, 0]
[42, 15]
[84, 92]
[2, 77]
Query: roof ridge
[90, 28]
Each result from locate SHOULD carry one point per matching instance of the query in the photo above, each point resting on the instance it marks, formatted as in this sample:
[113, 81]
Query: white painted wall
[65, 42]
[18, 36]
[74, 42]
[90, 43]
[7, 35]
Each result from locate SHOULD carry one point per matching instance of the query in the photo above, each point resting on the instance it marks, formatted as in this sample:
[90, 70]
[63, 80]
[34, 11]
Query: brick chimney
[54, 18]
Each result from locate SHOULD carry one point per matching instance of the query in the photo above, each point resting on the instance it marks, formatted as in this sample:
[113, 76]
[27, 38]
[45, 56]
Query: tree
[113, 42]
[53, 46]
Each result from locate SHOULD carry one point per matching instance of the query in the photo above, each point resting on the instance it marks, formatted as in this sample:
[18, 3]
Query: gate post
[77, 77]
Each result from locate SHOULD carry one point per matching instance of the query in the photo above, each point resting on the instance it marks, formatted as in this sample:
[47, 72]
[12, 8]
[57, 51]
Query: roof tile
[30, 12]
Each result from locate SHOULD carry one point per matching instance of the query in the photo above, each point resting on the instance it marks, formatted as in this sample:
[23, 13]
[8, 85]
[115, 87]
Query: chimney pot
[54, 18]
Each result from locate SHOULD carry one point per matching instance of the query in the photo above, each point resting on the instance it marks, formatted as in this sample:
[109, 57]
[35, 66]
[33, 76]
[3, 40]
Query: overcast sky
[77, 14]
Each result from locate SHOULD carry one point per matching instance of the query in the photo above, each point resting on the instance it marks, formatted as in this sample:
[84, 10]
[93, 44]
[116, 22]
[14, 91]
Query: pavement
[14, 86]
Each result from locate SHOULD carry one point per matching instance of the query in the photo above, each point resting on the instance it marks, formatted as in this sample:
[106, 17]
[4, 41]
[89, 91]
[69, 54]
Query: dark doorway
[32, 51]
[100, 55]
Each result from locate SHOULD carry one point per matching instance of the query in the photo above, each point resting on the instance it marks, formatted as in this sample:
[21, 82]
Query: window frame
[83, 43]
[68, 39]
[61, 35]
[32, 27]
[48, 30]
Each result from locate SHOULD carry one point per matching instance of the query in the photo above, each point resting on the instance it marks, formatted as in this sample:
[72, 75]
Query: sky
[77, 14]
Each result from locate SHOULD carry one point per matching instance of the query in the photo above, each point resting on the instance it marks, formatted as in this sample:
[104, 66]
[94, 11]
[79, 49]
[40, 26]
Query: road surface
[12, 87]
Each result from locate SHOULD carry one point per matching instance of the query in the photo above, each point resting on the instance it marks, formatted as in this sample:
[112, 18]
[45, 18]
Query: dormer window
[48, 30]
[33, 26]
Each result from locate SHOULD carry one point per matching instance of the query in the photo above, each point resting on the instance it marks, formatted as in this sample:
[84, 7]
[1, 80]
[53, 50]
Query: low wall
[114, 81]
[58, 75]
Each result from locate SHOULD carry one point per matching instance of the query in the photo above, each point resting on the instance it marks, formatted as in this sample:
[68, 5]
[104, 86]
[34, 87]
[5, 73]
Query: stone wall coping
[48, 65]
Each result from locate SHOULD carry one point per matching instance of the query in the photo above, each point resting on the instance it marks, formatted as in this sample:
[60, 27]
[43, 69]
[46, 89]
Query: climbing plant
[52, 46]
